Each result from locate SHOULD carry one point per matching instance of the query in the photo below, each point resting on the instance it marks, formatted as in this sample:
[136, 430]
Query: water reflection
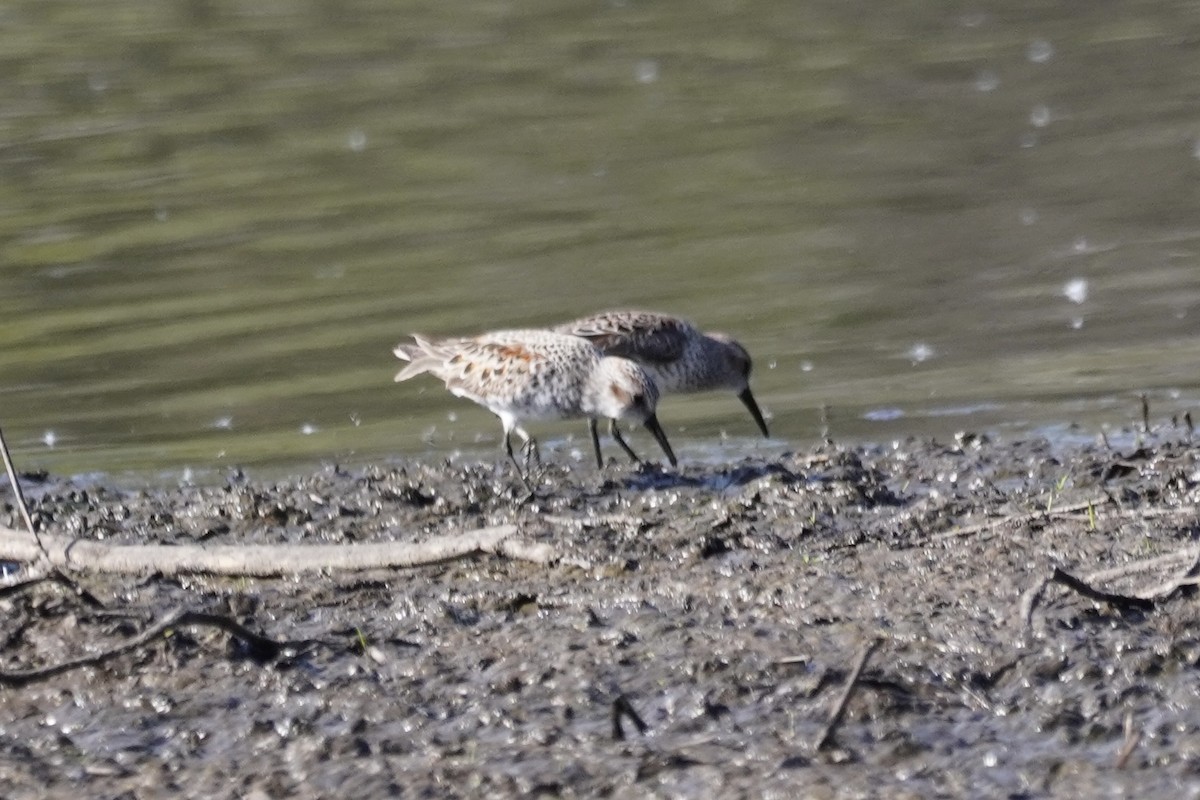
[216, 224]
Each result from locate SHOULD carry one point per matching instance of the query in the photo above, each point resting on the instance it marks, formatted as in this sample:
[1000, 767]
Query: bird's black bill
[653, 426]
[748, 399]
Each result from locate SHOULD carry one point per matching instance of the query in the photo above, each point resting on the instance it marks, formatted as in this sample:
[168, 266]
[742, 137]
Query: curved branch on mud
[1123, 602]
[88, 555]
[261, 647]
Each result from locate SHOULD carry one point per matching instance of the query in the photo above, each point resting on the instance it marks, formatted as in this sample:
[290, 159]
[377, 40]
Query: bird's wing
[490, 369]
[641, 335]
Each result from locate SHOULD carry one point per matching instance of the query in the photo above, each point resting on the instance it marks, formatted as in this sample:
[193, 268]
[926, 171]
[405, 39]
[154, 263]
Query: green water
[217, 218]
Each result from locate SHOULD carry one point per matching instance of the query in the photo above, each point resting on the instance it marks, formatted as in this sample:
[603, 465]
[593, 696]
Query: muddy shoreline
[722, 608]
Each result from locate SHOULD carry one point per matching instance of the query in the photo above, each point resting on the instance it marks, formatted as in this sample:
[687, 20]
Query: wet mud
[693, 636]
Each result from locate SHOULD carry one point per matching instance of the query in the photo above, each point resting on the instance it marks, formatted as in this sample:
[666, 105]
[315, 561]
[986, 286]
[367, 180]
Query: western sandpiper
[676, 354]
[525, 375]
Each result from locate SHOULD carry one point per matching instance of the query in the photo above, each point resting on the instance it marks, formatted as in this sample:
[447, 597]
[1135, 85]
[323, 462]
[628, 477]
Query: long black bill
[748, 400]
[653, 426]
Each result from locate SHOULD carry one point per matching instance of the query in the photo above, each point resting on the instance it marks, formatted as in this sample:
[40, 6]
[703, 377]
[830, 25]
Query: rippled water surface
[217, 218]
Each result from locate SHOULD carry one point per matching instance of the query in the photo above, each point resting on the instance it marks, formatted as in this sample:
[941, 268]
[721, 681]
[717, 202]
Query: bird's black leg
[533, 456]
[596, 442]
[616, 434]
[520, 473]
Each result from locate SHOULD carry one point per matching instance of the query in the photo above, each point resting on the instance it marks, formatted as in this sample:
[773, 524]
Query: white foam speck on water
[1076, 323]
[963, 410]
[883, 414]
[987, 81]
[452, 416]
[222, 423]
[1039, 117]
[357, 140]
[50, 438]
[646, 71]
[1029, 216]
[1076, 290]
[920, 352]
[308, 429]
[330, 272]
[806, 366]
[1040, 51]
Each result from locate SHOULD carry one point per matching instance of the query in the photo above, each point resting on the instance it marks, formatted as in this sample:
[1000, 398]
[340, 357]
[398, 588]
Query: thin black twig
[621, 707]
[839, 708]
[1120, 601]
[260, 647]
[54, 576]
[16, 487]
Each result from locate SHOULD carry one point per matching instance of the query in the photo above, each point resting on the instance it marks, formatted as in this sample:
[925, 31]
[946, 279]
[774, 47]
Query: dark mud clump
[691, 639]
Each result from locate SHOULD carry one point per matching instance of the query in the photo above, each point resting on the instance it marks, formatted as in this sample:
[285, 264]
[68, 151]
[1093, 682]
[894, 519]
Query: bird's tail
[420, 356]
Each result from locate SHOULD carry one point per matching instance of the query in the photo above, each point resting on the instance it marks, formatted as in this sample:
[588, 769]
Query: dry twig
[1015, 520]
[62, 552]
[22, 506]
[839, 708]
[262, 648]
[1187, 556]
[1029, 601]
[1132, 738]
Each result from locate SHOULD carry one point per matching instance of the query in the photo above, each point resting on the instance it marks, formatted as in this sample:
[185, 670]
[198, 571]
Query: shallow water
[217, 219]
